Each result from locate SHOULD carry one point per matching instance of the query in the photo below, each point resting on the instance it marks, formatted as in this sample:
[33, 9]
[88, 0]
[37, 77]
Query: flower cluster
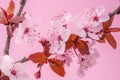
[61, 44]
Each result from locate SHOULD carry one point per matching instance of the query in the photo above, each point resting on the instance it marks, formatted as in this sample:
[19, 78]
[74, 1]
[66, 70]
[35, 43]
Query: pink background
[108, 65]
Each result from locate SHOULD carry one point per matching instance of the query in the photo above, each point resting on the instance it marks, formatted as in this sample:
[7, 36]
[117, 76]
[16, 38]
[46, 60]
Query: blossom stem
[22, 4]
[7, 46]
[8, 40]
[25, 59]
[115, 12]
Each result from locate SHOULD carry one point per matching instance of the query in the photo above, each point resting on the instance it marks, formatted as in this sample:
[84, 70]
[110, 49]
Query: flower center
[26, 31]
[59, 38]
[95, 18]
[86, 29]
[13, 72]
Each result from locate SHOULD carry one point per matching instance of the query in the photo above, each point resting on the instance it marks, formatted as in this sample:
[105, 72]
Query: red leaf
[11, 8]
[46, 49]
[4, 77]
[57, 66]
[73, 37]
[108, 23]
[10, 16]
[38, 58]
[69, 44]
[82, 47]
[71, 41]
[17, 19]
[111, 40]
[3, 17]
[113, 29]
[4, 13]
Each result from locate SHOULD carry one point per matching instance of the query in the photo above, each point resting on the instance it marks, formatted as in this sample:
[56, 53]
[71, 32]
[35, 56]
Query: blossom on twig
[14, 71]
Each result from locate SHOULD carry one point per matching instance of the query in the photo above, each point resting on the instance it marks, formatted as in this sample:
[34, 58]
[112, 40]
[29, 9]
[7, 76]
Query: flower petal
[27, 21]
[18, 39]
[67, 16]
[22, 27]
[81, 33]
[24, 76]
[100, 10]
[65, 33]
[6, 64]
[81, 72]
[61, 48]
[93, 36]
[68, 60]
[53, 48]
[104, 18]
[56, 24]
[77, 20]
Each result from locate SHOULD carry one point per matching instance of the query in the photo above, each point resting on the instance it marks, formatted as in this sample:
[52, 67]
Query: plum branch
[25, 59]
[8, 40]
[115, 12]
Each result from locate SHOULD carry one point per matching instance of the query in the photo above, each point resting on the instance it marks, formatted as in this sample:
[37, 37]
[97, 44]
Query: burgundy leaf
[82, 47]
[113, 29]
[57, 66]
[111, 40]
[3, 19]
[11, 8]
[71, 41]
[38, 58]
[4, 13]
[17, 19]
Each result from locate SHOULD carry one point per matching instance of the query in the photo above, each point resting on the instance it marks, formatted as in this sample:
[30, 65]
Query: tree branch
[22, 4]
[25, 59]
[115, 12]
[8, 40]
[7, 46]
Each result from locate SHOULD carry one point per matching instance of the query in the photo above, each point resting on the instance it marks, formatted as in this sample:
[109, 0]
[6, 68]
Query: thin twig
[8, 40]
[22, 4]
[25, 59]
[115, 12]
[7, 46]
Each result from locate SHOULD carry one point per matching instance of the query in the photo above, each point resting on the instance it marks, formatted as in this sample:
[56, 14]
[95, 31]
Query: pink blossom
[24, 28]
[60, 20]
[87, 61]
[27, 30]
[91, 22]
[81, 71]
[65, 57]
[60, 34]
[58, 45]
[93, 17]
[15, 71]
[84, 30]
